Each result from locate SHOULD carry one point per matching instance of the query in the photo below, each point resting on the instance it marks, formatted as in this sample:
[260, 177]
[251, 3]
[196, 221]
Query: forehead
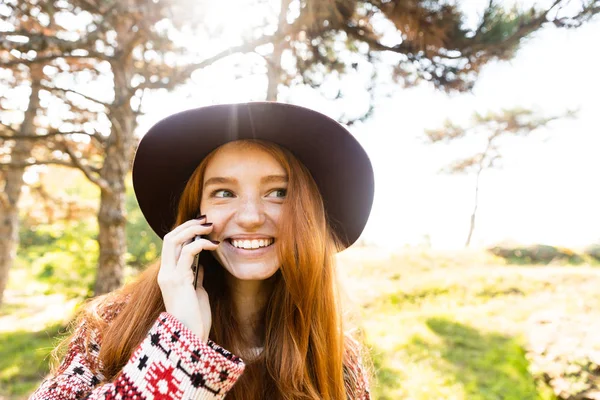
[239, 158]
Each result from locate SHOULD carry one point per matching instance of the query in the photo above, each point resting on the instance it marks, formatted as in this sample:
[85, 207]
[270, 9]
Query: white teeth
[251, 244]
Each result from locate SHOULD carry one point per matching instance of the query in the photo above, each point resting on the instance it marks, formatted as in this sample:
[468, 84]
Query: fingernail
[215, 241]
[201, 216]
[207, 224]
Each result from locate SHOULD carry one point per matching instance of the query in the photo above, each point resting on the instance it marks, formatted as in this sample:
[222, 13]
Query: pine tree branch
[50, 134]
[8, 127]
[486, 17]
[140, 102]
[374, 44]
[90, 6]
[41, 42]
[87, 170]
[65, 90]
[21, 32]
[4, 200]
[134, 41]
[46, 59]
[82, 112]
[12, 165]
[182, 75]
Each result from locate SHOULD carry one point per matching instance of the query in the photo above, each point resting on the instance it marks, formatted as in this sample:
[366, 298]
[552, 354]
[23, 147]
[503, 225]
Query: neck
[249, 298]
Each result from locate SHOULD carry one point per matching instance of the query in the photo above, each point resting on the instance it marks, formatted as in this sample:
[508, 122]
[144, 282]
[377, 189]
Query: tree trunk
[472, 227]
[111, 223]
[274, 62]
[111, 215]
[9, 213]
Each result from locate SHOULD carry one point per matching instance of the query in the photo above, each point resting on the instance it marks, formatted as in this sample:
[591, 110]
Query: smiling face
[243, 192]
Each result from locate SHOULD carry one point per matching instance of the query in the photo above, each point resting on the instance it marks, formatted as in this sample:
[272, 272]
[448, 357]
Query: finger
[190, 232]
[173, 244]
[189, 235]
[169, 251]
[186, 224]
[178, 248]
[189, 251]
[169, 237]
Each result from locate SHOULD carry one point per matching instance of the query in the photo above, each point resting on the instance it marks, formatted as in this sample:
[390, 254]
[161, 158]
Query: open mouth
[252, 244]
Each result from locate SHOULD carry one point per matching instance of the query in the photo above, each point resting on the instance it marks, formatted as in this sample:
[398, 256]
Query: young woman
[259, 196]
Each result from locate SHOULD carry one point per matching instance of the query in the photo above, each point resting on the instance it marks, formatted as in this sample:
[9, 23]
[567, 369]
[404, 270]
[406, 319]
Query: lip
[253, 253]
[249, 237]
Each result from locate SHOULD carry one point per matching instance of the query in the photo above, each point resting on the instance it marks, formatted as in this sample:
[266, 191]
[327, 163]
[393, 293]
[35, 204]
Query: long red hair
[306, 352]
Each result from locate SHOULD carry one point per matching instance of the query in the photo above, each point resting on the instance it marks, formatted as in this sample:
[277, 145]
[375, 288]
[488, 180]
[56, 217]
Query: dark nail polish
[215, 241]
[207, 224]
[201, 216]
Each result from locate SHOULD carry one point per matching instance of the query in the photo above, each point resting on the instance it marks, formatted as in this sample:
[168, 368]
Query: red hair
[305, 353]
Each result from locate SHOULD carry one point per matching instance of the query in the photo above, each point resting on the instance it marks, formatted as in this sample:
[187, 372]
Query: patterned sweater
[171, 363]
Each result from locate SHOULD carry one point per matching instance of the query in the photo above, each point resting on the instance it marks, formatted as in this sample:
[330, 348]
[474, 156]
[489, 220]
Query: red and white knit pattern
[171, 363]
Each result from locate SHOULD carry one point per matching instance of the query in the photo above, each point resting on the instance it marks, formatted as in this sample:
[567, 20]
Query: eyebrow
[219, 180]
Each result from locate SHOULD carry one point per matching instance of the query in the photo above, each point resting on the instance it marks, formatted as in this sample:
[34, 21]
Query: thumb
[199, 277]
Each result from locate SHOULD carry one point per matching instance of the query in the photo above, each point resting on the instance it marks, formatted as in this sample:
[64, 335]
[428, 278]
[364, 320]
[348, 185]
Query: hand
[176, 278]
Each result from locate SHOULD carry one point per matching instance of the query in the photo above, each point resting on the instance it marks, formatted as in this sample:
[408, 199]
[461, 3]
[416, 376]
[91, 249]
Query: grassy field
[458, 325]
[438, 325]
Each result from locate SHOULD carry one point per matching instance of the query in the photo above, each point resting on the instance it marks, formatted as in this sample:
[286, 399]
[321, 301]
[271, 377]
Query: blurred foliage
[385, 376]
[545, 254]
[24, 359]
[593, 251]
[565, 356]
[143, 245]
[61, 253]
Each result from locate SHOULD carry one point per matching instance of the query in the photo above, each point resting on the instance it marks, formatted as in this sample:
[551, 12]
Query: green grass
[24, 359]
[449, 326]
[386, 376]
[485, 365]
[453, 325]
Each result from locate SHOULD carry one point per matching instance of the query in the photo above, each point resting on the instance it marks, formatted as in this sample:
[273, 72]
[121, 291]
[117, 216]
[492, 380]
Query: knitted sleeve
[171, 363]
[363, 392]
[356, 376]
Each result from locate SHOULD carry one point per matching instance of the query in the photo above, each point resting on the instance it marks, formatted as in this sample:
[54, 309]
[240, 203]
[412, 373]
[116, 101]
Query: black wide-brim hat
[172, 149]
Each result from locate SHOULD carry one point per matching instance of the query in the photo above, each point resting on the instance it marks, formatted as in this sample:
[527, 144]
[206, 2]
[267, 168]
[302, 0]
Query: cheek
[204, 203]
[217, 215]
[275, 212]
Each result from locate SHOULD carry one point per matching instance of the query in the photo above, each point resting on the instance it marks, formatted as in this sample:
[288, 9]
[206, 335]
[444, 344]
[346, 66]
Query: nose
[251, 213]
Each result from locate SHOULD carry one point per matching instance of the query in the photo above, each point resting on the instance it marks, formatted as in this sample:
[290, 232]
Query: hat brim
[172, 149]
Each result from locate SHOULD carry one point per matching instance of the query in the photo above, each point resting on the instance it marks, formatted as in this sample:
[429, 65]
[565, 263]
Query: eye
[221, 193]
[279, 193]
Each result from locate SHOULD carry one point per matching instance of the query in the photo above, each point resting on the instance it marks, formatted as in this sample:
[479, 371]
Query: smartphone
[196, 262]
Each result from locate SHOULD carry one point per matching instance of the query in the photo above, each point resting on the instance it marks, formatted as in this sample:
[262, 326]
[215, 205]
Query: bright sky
[548, 189]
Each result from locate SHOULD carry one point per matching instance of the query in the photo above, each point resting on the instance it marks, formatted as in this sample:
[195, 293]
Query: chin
[251, 272]
[244, 267]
